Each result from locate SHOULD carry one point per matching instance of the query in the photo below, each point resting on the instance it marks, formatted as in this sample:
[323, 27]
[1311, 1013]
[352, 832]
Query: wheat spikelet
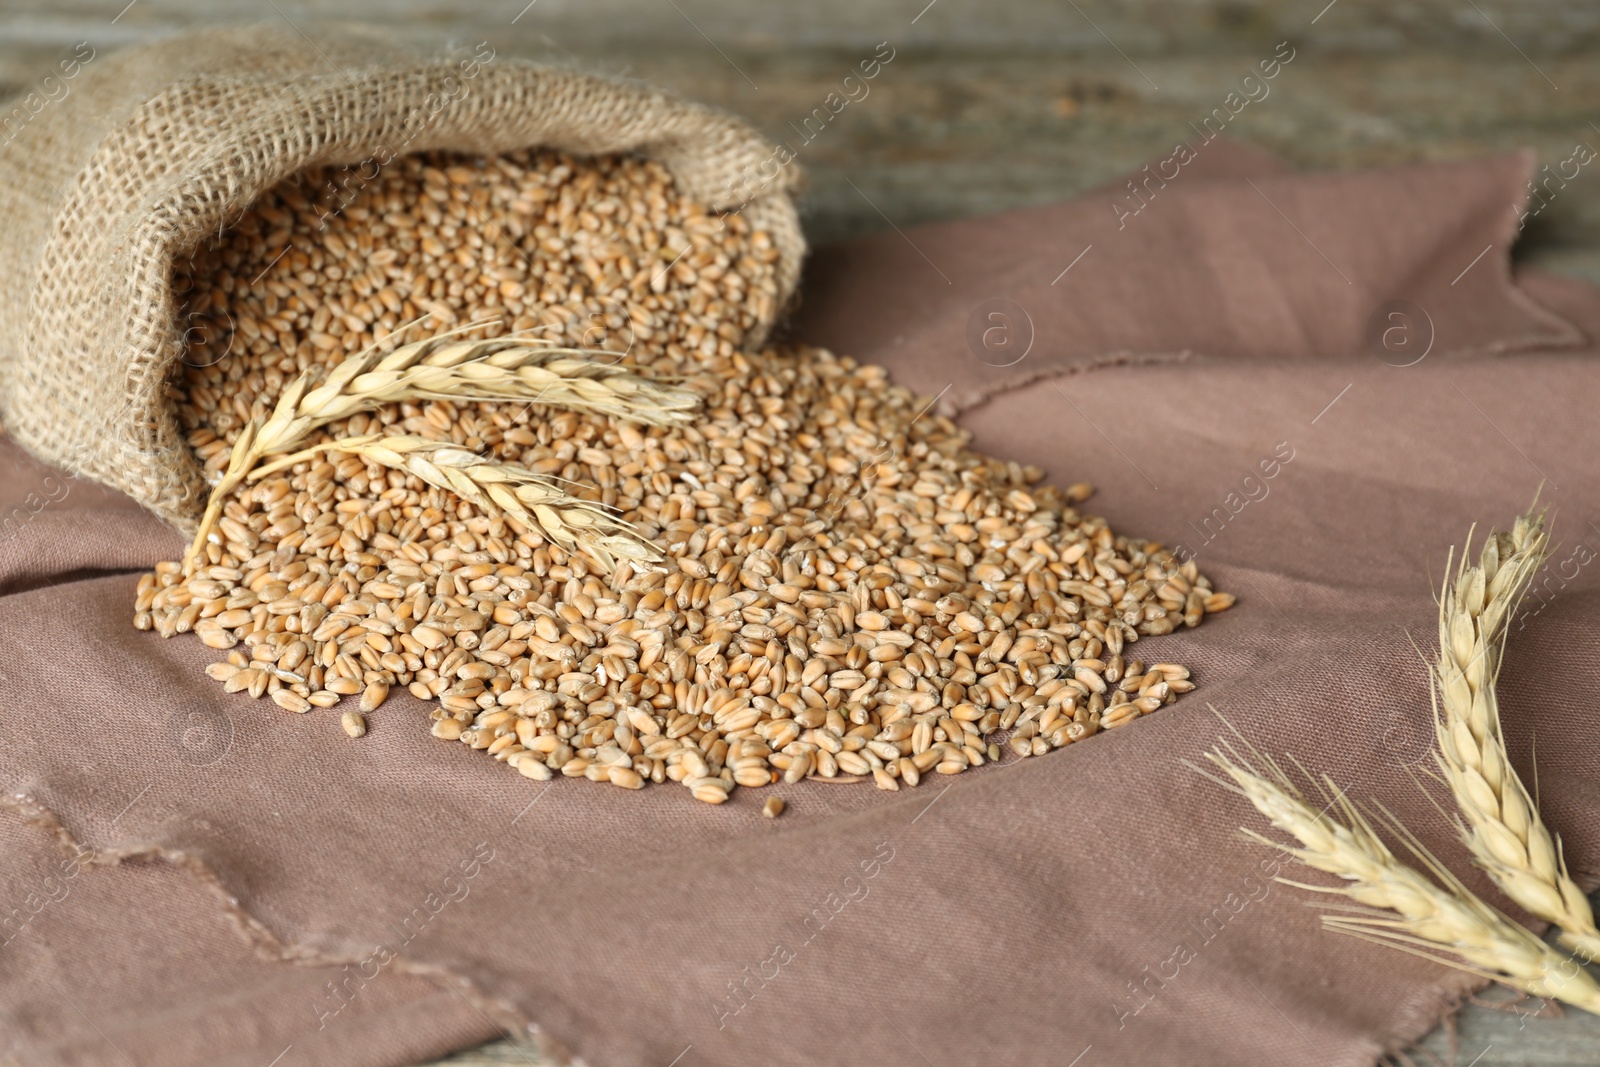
[1501, 824]
[1442, 921]
[496, 488]
[446, 368]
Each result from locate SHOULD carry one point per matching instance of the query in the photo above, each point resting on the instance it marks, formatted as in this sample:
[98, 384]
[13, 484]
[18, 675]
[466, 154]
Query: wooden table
[993, 105]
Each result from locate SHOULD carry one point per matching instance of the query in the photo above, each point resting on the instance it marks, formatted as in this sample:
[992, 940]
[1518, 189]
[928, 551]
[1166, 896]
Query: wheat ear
[446, 368]
[497, 488]
[1442, 921]
[1501, 824]
[500, 368]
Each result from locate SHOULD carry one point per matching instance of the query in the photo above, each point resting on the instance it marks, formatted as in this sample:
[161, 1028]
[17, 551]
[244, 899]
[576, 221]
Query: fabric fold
[1233, 257]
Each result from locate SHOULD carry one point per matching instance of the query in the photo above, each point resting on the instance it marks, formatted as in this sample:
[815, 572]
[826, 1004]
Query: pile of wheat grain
[845, 591]
[601, 254]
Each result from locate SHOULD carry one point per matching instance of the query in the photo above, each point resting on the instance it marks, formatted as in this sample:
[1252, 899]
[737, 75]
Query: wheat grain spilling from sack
[1501, 824]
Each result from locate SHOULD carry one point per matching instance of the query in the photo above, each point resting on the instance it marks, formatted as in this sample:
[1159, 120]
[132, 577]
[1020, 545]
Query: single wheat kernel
[289, 700]
[374, 694]
[773, 807]
[354, 723]
[711, 794]
[529, 767]
[240, 681]
[626, 777]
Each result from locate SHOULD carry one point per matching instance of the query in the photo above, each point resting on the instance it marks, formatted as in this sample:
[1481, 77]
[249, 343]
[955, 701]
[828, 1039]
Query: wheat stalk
[1442, 921]
[531, 499]
[1501, 824]
[446, 368]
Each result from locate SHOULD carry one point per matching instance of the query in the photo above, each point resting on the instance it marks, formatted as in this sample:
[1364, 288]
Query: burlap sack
[127, 165]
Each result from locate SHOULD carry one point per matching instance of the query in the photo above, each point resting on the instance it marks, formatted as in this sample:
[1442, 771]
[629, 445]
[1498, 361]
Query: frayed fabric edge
[266, 945]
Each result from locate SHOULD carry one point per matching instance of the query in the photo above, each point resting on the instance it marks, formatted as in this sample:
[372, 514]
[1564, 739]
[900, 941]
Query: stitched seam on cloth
[969, 399]
[1566, 336]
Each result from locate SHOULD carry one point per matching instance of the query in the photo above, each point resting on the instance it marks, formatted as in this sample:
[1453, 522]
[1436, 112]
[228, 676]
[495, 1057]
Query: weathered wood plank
[1139, 27]
[949, 132]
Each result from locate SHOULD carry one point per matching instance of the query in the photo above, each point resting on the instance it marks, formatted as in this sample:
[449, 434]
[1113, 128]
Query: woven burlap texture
[156, 147]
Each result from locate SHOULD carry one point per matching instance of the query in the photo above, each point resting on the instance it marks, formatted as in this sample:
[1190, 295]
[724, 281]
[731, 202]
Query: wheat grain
[374, 695]
[842, 578]
[1500, 823]
[600, 252]
[1442, 921]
